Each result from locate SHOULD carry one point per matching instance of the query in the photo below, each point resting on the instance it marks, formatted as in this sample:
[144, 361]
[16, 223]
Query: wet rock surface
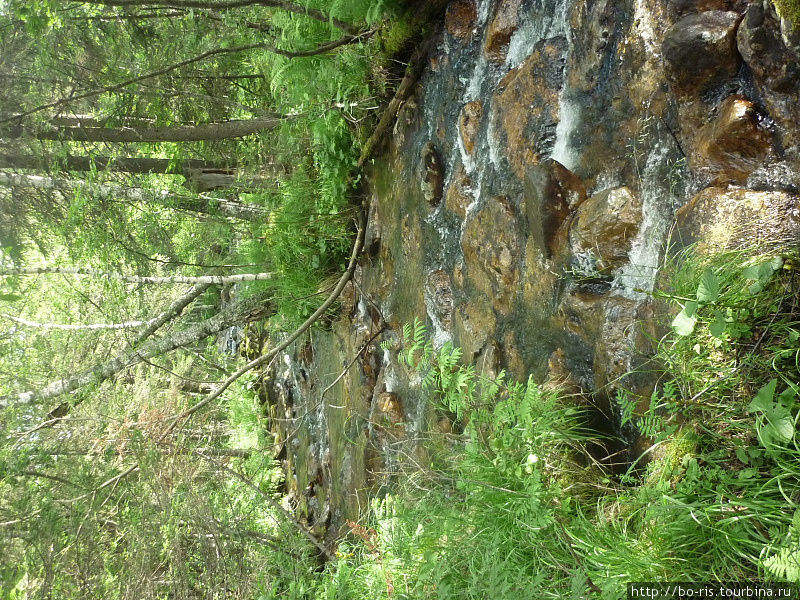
[460, 18]
[605, 227]
[700, 51]
[723, 219]
[733, 145]
[469, 123]
[552, 195]
[521, 212]
[526, 105]
[504, 23]
[775, 66]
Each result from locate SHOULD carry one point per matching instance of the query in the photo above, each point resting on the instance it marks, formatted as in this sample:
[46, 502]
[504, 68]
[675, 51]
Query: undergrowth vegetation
[516, 507]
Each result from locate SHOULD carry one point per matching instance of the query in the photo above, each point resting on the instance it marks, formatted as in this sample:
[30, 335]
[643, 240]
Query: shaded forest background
[178, 186]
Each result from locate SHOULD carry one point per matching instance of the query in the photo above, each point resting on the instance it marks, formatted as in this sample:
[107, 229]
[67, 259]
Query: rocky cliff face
[523, 208]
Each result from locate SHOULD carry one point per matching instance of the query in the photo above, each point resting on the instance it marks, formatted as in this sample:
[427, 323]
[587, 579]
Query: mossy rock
[790, 10]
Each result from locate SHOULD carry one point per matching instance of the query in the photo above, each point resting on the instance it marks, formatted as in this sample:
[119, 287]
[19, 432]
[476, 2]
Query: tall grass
[515, 507]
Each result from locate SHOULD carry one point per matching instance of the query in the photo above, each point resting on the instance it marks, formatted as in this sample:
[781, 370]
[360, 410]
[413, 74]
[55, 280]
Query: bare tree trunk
[124, 165]
[228, 4]
[176, 133]
[199, 204]
[85, 327]
[247, 310]
[202, 279]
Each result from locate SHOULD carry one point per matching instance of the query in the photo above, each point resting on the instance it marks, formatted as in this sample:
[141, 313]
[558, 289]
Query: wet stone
[552, 194]
[492, 246]
[526, 105]
[775, 66]
[389, 408]
[459, 20]
[718, 219]
[605, 226]
[459, 194]
[700, 51]
[505, 22]
[432, 169]
[681, 8]
[440, 295]
[469, 122]
[732, 145]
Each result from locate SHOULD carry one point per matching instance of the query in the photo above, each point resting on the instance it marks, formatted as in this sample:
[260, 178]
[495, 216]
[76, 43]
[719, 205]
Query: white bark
[202, 279]
[88, 327]
[195, 178]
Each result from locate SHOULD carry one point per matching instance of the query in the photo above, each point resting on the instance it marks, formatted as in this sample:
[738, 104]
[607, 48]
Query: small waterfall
[637, 278]
[569, 117]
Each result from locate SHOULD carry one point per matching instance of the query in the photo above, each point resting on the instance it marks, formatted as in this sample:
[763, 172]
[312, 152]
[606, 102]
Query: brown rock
[525, 105]
[559, 376]
[540, 283]
[444, 425]
[505, 22]
[439, 297]
[583, 314]
[775, 66]
[390, 408]
[432, 168]
[469, 122]
[605, 226]
[513, 358]
[731, 146]
[457, 196]
[552, 194]
[700, 51]
[491, 245]
[763, 48]
[718, 219]
[680, 8]
[459, 20]
[474, 327]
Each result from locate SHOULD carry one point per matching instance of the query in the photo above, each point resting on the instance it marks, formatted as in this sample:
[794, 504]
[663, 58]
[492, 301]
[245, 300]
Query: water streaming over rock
[521, 211]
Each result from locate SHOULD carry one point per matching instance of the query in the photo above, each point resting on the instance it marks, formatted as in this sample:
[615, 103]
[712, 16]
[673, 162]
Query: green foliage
[192, 518]
[790, 10]
[518, 501]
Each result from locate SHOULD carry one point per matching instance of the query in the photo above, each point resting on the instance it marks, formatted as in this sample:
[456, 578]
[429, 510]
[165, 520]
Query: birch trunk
[175, 133]
[202, 279]
[247, 310]
[200, 204]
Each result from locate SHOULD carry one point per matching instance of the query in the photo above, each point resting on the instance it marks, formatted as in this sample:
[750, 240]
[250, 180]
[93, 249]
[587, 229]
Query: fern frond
[785, 564]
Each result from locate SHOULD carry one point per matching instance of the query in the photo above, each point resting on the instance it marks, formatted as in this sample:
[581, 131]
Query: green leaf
[765, 270]
[684, 321]
[719, 325]
[742, 456]
[786, 397]
[10, 297]
[762, 401]
[708, 290]
[748, 473]
[781, 427]
[762, 273]
[751, 272]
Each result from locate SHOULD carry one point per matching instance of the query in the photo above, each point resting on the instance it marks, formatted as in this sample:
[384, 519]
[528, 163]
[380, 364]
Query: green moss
[789, 9]
[394, 37]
